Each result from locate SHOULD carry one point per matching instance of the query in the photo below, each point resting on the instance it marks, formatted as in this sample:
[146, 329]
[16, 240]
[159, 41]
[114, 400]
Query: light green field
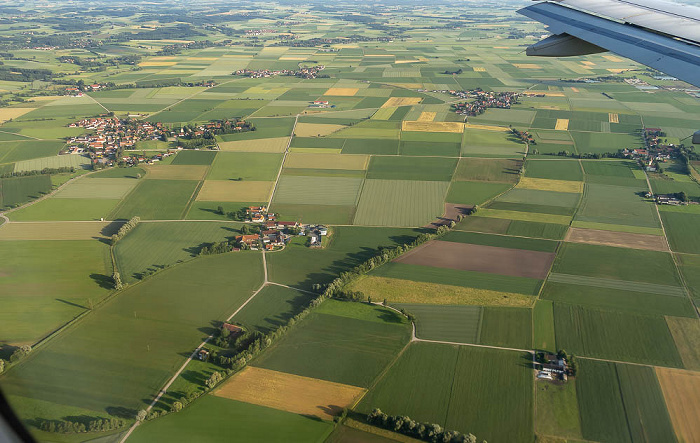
[58, 161]
[107, 188]
[245, 165]
[317, 190]
[66, 209]
[156, 199]
[400, 202]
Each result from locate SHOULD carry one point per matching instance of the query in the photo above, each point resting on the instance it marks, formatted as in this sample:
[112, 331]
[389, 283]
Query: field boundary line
[164, 389]
[284, 159]
[21, 135]
[502, 348]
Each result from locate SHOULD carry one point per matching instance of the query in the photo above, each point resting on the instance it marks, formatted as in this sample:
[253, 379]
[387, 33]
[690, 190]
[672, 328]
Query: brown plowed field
[621, 239]
[490, 259]
[682, 394]
[289, 392]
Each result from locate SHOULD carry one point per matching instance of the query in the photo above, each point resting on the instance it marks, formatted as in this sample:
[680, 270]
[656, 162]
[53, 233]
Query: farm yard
[309, 224]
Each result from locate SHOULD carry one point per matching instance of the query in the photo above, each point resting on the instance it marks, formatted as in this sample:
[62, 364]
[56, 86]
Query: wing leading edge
[661, 35]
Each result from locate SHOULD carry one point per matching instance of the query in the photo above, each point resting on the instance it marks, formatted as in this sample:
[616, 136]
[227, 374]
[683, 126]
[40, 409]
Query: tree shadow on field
[312, 417]
[6, 351]
[389, 316]
[525, 360]
[195, 377]
[71, 303]
[207, 330]
[104, 281]
[121, 411]
[111, 229]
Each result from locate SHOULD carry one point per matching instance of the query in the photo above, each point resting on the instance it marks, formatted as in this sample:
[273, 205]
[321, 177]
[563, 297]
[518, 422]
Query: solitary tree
[177, 407]
[117, 279]
[141, 415]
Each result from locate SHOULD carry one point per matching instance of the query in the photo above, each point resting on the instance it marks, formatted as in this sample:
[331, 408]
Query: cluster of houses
[483, 100]
[214, 127]
[258, 32]
[552, 367]
[321, 104]
[307, 73]
[275, 234]
[107, 135]
[667, 199]
[656, 150]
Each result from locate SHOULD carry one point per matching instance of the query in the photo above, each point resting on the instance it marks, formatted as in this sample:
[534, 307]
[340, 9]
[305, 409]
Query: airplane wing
[656, 33]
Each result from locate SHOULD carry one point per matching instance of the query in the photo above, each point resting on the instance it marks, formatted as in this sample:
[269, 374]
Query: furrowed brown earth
[288, 392]
[682, 394]
[490, 259]
[620, 239]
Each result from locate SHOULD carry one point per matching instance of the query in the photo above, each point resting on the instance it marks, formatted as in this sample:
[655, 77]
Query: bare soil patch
[489, 259]
[682, 394]
[619, 239]
[451, 214]
[287, 392]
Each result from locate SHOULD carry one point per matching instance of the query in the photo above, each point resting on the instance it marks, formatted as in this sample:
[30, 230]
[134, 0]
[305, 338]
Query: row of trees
[125, 229]
[45, 171]
[423, 431]
[75, 427]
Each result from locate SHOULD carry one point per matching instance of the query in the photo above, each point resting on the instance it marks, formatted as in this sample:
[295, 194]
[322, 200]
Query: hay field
[406, 291]
[543, 184]
[177, 172]
[316, 129]
[612, 58]
[427, 116]
[682, 394]
[276, 144]
[479, 69]
[158, 63]
[393, 102]
[486, 127]
[235, 191]
[562, 124]
[429, 126]
[108, 188]
[12, 113]
[342, 92]
[383, 113]
[613, 118]
[326, 161]
[57, 230]
[288, 392]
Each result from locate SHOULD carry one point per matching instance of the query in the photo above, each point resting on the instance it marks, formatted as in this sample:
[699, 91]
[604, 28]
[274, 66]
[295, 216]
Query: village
[482, 101]
[304, 72]
[273, 234]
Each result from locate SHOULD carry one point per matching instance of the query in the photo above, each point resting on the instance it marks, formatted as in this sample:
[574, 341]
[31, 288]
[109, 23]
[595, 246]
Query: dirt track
[489, 259]
[621, 239]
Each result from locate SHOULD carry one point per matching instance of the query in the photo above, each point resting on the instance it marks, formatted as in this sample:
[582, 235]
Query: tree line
[430, 432]
[76, 427]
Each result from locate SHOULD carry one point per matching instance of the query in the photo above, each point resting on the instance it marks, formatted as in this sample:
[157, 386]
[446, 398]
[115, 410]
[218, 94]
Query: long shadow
[121, 411]
[111, 228]
[71, 303]
[104, 281]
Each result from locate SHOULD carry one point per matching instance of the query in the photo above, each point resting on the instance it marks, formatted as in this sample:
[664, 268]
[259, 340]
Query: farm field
[156, 200]
[400, 202]
[429, 377]
[148, 326]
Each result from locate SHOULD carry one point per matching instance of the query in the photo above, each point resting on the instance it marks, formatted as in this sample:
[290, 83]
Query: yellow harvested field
[316, 150]
[455, 127]
[427, 116]
[401, 62]
[562, 124]
[288, 392]
[176, 172]
[156, 63]
[613, 118]
[277, 144]
[46, 98]
[326, 161]
[618, 70]
[163, 57]
[527, 66]
[12, 113]
[393, 102]
[682, 394]
[543, 184]
[406, 291]
[299, 59]
[612, 58]
[501, 47]
[316, 129]
[479, 69]
[588, 63]
[235, 191]
[486, 127]
[203, 58]
[342, 92]
[58, 230]
[238, 55]
[379, 55]
[574, 89]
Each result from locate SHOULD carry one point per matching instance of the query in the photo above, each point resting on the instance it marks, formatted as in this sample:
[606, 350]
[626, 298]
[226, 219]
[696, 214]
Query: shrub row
[423, 431]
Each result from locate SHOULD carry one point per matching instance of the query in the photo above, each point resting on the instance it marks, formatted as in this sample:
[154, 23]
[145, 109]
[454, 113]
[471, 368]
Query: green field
[554, 170]
[209, 420]
[474, 192]
[682, 231]
[543, 323]
[156, 200]
[138, 338]
[507, 327]
[272, 308]
[557, 409]
[299, 190]
[501, 241]
[537, 197]
[18, 190]
[312, 348]
[107, 188]
[460, 324]
[42, 293]
[154, 246]
[66, 209]
[621, 403]
[254, 166]
[411, 168]
[488, 169]
[619, 205]
[634, 265]
[190, 157]
[460, 388]
[615, 335]
[400, 202]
